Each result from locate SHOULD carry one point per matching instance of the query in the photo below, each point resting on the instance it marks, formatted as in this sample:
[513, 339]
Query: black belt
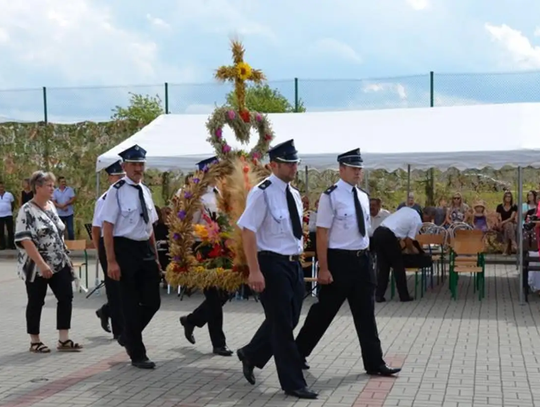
[288, 257]
[354, 253]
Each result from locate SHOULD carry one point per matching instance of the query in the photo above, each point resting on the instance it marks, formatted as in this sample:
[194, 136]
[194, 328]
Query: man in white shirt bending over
[401, 226]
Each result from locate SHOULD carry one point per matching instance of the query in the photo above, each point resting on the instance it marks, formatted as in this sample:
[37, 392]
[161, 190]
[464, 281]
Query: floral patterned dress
[45, 229]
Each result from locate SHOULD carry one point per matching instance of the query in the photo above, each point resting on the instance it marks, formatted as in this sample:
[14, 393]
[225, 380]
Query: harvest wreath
[224, 264]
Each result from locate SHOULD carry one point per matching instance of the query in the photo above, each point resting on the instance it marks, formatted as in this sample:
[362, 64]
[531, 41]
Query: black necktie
[359, 213]
[293, 212]
[143, 204]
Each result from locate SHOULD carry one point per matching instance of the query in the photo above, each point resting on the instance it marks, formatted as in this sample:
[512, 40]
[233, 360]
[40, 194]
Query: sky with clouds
[347, 54]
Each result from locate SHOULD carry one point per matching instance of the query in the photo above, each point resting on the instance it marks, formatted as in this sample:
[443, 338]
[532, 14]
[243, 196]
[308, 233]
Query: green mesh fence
[71, 105]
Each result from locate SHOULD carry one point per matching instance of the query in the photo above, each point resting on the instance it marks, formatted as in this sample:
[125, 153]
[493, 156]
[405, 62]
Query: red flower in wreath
[244, 114]
[215, 252]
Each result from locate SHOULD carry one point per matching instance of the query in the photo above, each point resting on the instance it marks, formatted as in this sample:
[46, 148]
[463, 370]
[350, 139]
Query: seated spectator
[458, 211]
[529, 208]
[479, 218]
[440, 212]
[410, 203]
[507, 214]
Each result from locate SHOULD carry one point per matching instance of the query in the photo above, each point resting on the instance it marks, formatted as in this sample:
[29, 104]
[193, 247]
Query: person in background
[507, 215]
[64, 198]
[378, 214]
[479, 219]
[26, 193]
[529, 208]
[440, 212]
[161, 233]
[7, 205]
[458, 211]
[411, 203]
[43, 262]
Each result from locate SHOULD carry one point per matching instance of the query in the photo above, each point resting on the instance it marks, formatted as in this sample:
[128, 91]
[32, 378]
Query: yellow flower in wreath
[243, 71]
[199, 269]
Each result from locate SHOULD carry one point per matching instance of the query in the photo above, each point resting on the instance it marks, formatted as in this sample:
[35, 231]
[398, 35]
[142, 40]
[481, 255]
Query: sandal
[68, 346]
[39, 347]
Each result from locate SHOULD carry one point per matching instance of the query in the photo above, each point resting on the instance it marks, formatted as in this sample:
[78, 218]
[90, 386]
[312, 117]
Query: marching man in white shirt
[111, 309]
[273, 241]
[402, 225]
[346, 272]
[211, 310]
[128, 215]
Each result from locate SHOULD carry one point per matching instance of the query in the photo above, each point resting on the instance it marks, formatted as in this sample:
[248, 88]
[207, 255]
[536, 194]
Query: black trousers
[389, 255]
[6, 222]
[139, 291]
[211, 312]
[113, 307]
[282, 302]
[36, 291]
[354, 281]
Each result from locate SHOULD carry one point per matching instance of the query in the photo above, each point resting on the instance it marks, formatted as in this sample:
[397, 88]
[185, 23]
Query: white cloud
[80, 42]
[523, 54]
[537, 32]
[158, 22]
[333, 47]
[396, 88]
[419, 4]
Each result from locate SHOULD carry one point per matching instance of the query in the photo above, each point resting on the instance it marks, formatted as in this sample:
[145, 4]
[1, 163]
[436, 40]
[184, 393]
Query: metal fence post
[296, 100]
[167, 98]
[431, 89]
[45, 113]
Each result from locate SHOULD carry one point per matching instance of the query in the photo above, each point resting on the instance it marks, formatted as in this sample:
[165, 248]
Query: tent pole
[520, 235]
[307, 181]
[408, 182]
[97, 281]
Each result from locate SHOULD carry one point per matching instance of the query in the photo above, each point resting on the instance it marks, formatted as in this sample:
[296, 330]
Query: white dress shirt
[337, 213]
[96, 220]
[267, 215]
[405, 222]
[377, 220]
[122, 208]
[6, 201]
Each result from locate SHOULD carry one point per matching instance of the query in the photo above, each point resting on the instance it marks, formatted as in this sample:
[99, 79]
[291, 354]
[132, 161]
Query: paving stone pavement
[454, 353]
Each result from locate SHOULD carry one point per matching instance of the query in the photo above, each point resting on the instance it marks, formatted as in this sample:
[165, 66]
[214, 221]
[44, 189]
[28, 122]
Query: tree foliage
[262, 98]
[142, 108]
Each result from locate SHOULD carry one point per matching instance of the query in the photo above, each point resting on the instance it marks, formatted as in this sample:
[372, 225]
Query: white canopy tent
[463, 137]
[443, 137]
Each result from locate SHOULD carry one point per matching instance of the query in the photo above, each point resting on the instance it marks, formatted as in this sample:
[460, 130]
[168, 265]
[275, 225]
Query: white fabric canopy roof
[462, 137]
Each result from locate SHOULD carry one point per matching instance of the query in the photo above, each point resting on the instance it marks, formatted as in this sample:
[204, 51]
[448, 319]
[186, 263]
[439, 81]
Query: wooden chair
[467, 256]
[310, 259]
[80, 245]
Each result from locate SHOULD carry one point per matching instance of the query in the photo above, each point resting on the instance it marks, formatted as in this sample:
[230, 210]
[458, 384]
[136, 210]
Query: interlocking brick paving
[453, 353]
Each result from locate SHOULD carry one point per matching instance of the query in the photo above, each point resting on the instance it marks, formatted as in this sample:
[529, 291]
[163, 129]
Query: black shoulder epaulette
[265, 184]
[364, 191]
[119, 184]
[104, 196]
[331, 189]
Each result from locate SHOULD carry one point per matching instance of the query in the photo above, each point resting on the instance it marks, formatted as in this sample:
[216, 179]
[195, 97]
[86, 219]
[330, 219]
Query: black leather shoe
[305, 365]
[302, 394]
[407, 299]
[384, 370]
[143, 364]
[380, 299]
[104, 320]
[188, 330]
[223, 351]
[120, 340]
[247, 367]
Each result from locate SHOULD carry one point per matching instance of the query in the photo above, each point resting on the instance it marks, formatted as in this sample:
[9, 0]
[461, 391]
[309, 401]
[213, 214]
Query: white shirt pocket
[345, 218]
[280, 221]
[129, 211]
